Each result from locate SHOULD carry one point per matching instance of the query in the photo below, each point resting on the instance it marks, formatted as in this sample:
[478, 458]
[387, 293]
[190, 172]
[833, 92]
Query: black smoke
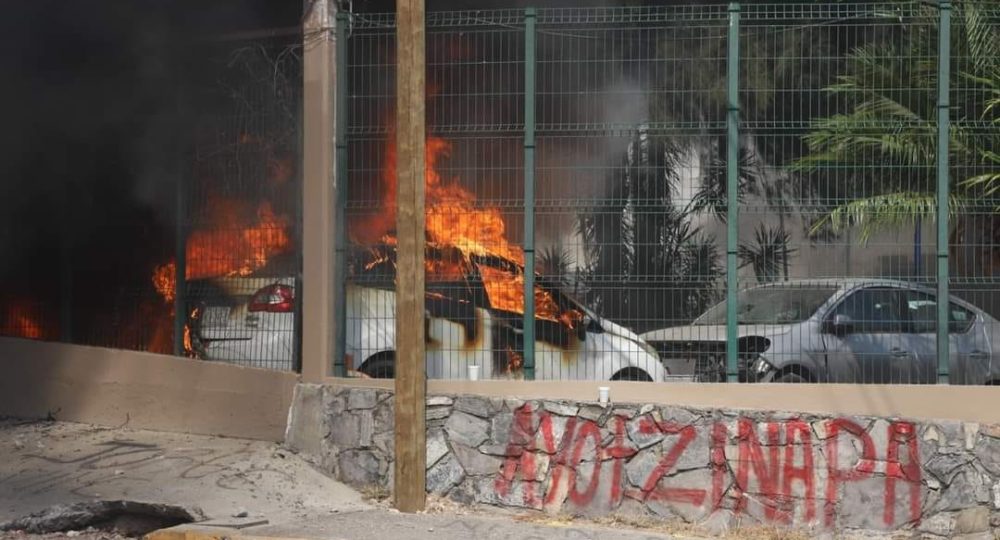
[98, 100]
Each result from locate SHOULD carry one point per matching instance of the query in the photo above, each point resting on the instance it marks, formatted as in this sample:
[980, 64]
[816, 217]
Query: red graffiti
[520, 456]
[835, 475]
[650, 488]
[751, 455]
[588, 429]
[774, 465]
[719, 466]
[902, 433]
[799, 430]
[561, 459]
[618, 451]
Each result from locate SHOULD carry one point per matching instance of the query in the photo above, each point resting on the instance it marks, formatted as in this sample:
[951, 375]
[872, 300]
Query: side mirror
[840, 325]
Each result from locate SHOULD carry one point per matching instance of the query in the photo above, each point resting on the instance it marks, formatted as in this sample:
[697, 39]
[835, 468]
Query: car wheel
[790, 378]
[380, 366]
[632, 374]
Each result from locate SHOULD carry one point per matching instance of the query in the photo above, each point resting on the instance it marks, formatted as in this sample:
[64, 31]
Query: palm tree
[768, 255]
[878, 158]
[646, 263]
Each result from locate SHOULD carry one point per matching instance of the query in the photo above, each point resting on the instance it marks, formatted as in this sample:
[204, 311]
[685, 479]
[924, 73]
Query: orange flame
[227, 248]
[22, 320]
[453, 218]
[451, 215]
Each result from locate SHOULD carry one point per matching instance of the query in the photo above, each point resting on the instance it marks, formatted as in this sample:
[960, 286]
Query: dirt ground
[89, 534]
[49, 463]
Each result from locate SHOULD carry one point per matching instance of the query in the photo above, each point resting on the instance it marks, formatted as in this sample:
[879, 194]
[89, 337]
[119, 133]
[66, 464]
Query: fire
[235, 239]
[452, 217]
[29, 327]
[228, 247]
[23, 319]
[506, 292]
[188, 344]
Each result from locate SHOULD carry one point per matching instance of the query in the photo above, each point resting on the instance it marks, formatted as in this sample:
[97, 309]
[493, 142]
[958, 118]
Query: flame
[227, 248]
[450, 211]
[453, 218]
[23, 319]
[188, 345]
[506, 292]
[29, 327]
[236, 241]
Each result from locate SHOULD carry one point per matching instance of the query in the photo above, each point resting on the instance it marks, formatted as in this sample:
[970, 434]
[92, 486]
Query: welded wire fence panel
[839, 124]
[241, 210]
[229, 226]
[824, 91]
[626, 123]
[370, 207]
[974, 229]
[614, 192]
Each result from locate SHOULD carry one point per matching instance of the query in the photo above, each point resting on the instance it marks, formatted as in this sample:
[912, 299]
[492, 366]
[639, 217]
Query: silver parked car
[843, 331]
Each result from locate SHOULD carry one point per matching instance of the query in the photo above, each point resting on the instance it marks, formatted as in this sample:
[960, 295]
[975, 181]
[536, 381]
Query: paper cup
[473, 373]
[603, 393]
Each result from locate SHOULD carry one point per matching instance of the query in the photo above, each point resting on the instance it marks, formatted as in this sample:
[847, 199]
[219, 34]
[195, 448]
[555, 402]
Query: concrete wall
[713, 467]
[964, 403]
[142, 390]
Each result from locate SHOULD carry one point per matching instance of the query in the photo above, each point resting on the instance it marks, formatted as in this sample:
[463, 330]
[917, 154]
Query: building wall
[710, 466]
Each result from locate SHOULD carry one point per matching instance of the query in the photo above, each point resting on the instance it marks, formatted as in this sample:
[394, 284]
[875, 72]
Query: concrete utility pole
[411, 377]
[319, 209]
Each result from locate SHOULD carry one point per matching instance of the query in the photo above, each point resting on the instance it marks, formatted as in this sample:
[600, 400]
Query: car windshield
[771, 305]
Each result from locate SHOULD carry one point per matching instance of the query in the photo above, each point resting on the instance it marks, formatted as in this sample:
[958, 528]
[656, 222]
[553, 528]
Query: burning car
[844, 331]
[474, 316]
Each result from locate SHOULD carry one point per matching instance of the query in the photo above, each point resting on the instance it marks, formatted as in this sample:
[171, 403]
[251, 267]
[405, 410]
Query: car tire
[790, 378]
[632, 374]
[380, 366]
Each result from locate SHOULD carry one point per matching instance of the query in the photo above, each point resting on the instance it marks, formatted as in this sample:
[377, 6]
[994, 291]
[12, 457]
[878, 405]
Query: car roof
[847, 284]
[843, 283]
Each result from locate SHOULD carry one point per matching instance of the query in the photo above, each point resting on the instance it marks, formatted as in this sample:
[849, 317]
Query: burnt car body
[472, 318]
[842, 331]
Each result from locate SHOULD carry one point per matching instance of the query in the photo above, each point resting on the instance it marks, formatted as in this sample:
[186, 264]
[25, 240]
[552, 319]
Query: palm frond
[554, 263]
[880, 212]
[711, 195]
[981, 35]
[768, 255]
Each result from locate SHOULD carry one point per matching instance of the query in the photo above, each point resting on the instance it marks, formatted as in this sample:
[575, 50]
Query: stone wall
[717, 468]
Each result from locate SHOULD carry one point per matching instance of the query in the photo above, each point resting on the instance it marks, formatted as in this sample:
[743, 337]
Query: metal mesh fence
[242, 209]
[230, 226]
[595, 147]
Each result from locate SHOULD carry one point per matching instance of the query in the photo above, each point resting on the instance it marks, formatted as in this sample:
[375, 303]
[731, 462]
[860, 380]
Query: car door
[968, 347]
[872, 349]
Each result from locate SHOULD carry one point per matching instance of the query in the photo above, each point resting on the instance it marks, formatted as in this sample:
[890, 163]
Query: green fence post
[732, 187]
[340, 235]
[943, 127]
[529, 194]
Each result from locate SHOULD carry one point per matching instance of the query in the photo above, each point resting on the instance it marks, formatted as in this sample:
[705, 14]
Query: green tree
[874, 166]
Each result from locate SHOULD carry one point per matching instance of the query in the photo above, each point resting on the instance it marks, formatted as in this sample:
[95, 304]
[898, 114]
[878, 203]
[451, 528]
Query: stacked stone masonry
[717, 468]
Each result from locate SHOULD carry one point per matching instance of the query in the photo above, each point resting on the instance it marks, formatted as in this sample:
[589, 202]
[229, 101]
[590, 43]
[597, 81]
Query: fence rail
[645, 164]
[725, 192]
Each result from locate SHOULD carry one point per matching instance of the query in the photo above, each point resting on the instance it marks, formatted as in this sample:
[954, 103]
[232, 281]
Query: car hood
[618, 330]
[714, 332]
